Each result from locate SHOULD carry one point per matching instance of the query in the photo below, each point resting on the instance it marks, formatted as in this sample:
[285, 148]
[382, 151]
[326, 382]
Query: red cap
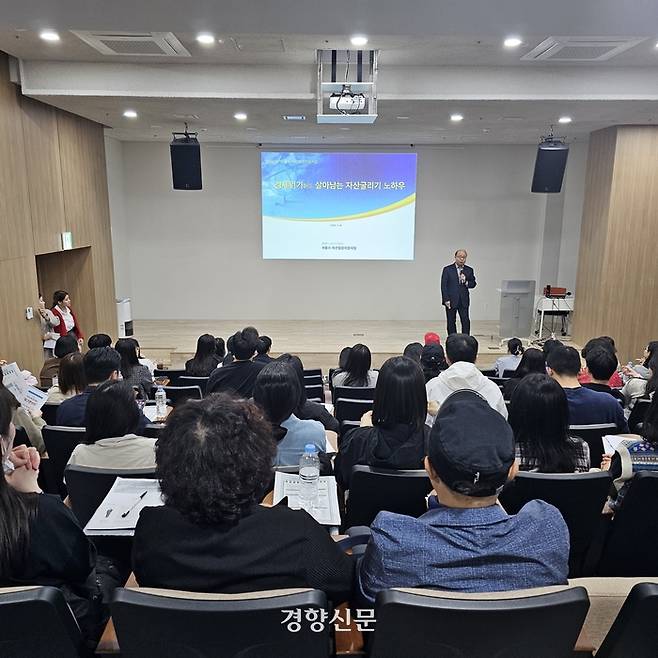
[432, 339]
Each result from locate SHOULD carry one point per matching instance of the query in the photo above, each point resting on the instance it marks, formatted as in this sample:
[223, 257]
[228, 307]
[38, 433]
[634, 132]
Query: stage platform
[316, 342]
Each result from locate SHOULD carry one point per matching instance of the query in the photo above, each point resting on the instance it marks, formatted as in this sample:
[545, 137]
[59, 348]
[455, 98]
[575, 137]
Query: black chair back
[634, 631]
[88, 486]
[201, 382]
[499, 381]
[315, 393]
[37, 623]
[171, 624]
[60, 442]
[21, 438]
[427, 624]
[171, 375]
[313, 372]
[179, 394]
[631, 546]
[508, 373]
[489, 372]
[593, 436]
[49, 413]
[578, 496]
[373, 490]
[350, 403]
[638, 413]
[153, 430]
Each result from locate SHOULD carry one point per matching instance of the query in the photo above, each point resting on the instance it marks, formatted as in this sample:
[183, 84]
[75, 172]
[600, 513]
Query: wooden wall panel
[52, 179]
[617, 289]
[44, 174]
[15, 227]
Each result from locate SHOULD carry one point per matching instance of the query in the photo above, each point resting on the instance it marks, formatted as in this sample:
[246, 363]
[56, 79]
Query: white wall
[197, 255]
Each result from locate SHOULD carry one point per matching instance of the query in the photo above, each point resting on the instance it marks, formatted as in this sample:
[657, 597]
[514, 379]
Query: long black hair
[652, 348]
[400, 395]
[277, 392]
[205, 358]
[111, 411]
[358, 365]
[539, 416]
[652, 384]
[128, 352]
[432, 361]
[650, 423]
[17, 510]
[532, 361]
[296, 364]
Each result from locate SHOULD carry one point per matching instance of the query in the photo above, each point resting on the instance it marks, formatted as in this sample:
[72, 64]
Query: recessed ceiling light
[564, 120]
[130, 114]
[49, 35]
[359, 40]
[512, 42]
[205, 38]
[293, 117]
[456, 117]
[252, 129]
[402, 118]
[240, 116]
[344, 128]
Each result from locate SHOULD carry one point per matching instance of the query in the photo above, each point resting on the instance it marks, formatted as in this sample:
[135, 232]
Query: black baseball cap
[471, 446]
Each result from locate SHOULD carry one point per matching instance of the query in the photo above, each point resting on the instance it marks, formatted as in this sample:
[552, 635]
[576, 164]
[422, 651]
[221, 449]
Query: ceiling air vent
[141, 44]
[580, 49]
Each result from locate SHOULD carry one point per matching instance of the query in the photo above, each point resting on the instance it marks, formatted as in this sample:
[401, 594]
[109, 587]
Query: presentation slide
[350, 206]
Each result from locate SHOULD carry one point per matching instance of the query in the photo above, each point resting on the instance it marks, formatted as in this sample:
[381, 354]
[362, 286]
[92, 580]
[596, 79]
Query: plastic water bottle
[309, 475]
[55, 381]
[160, 403]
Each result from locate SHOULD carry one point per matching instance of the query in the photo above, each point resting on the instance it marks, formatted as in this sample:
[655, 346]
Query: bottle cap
[309, 447]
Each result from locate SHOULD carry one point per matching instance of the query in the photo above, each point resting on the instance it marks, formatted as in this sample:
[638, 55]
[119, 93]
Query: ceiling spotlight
[456, 117]
[205, 38]
[240, 116]
[130, 114]
[402, 118]
[512, 42]
[564, 120]
[359, 40]
[49, 35]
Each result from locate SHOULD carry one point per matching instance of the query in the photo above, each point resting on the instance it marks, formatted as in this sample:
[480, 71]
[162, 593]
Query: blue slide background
[332, 205]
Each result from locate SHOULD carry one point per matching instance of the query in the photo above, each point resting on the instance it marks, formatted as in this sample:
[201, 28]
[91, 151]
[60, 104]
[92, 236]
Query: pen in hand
[125, 514]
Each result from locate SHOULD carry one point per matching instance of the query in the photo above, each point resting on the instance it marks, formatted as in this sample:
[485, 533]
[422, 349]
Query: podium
[517, 305]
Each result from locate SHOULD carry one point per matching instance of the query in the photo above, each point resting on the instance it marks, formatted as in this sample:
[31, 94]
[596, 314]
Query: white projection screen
[330, 205]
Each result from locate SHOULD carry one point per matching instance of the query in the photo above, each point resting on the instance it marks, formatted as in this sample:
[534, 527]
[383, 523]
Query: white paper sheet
[325, 511]
[124, 495]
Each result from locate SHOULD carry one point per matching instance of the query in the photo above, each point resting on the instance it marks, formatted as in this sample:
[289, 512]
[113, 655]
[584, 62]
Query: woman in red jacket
[67, 322]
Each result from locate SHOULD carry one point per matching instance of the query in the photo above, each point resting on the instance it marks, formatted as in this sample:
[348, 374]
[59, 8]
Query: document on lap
[325, 511]
[119, 512]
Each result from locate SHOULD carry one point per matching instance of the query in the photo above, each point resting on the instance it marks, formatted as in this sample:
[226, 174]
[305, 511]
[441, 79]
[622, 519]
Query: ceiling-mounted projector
[346, 101]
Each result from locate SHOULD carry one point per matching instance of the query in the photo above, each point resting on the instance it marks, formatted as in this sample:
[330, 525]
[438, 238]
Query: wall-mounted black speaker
[549, 166]
[185, 163]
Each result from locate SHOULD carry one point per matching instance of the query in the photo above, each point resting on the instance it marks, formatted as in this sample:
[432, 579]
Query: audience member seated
[461, 353]
[466, 542]
[144, 361]
[205, 359]
[214, 461]
[539, 416]
[101, 364]
[586, 407]
[277, 392]
[71, 379]
[639, 387]
[394, 434]
[132, 371]
[64, 345]
[642, 369]
[357, 370]
[342, 361]
[263, 349]
[601, 366]
[549, 345]
[606, 343]
[99, 340]
[432, 361]
[512, 360]
[42, 543]
[413, 351]
[228, 356]
[32, 423]
[239, 375]
[432, 338]
[112, 421]
[307, 410]
[532, 361]
[638, 456]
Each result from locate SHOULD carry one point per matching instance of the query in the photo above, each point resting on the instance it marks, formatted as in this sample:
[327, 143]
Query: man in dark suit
[456, 281]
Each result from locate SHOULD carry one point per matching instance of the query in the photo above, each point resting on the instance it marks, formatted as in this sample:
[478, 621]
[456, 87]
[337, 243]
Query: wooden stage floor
[316, 342]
